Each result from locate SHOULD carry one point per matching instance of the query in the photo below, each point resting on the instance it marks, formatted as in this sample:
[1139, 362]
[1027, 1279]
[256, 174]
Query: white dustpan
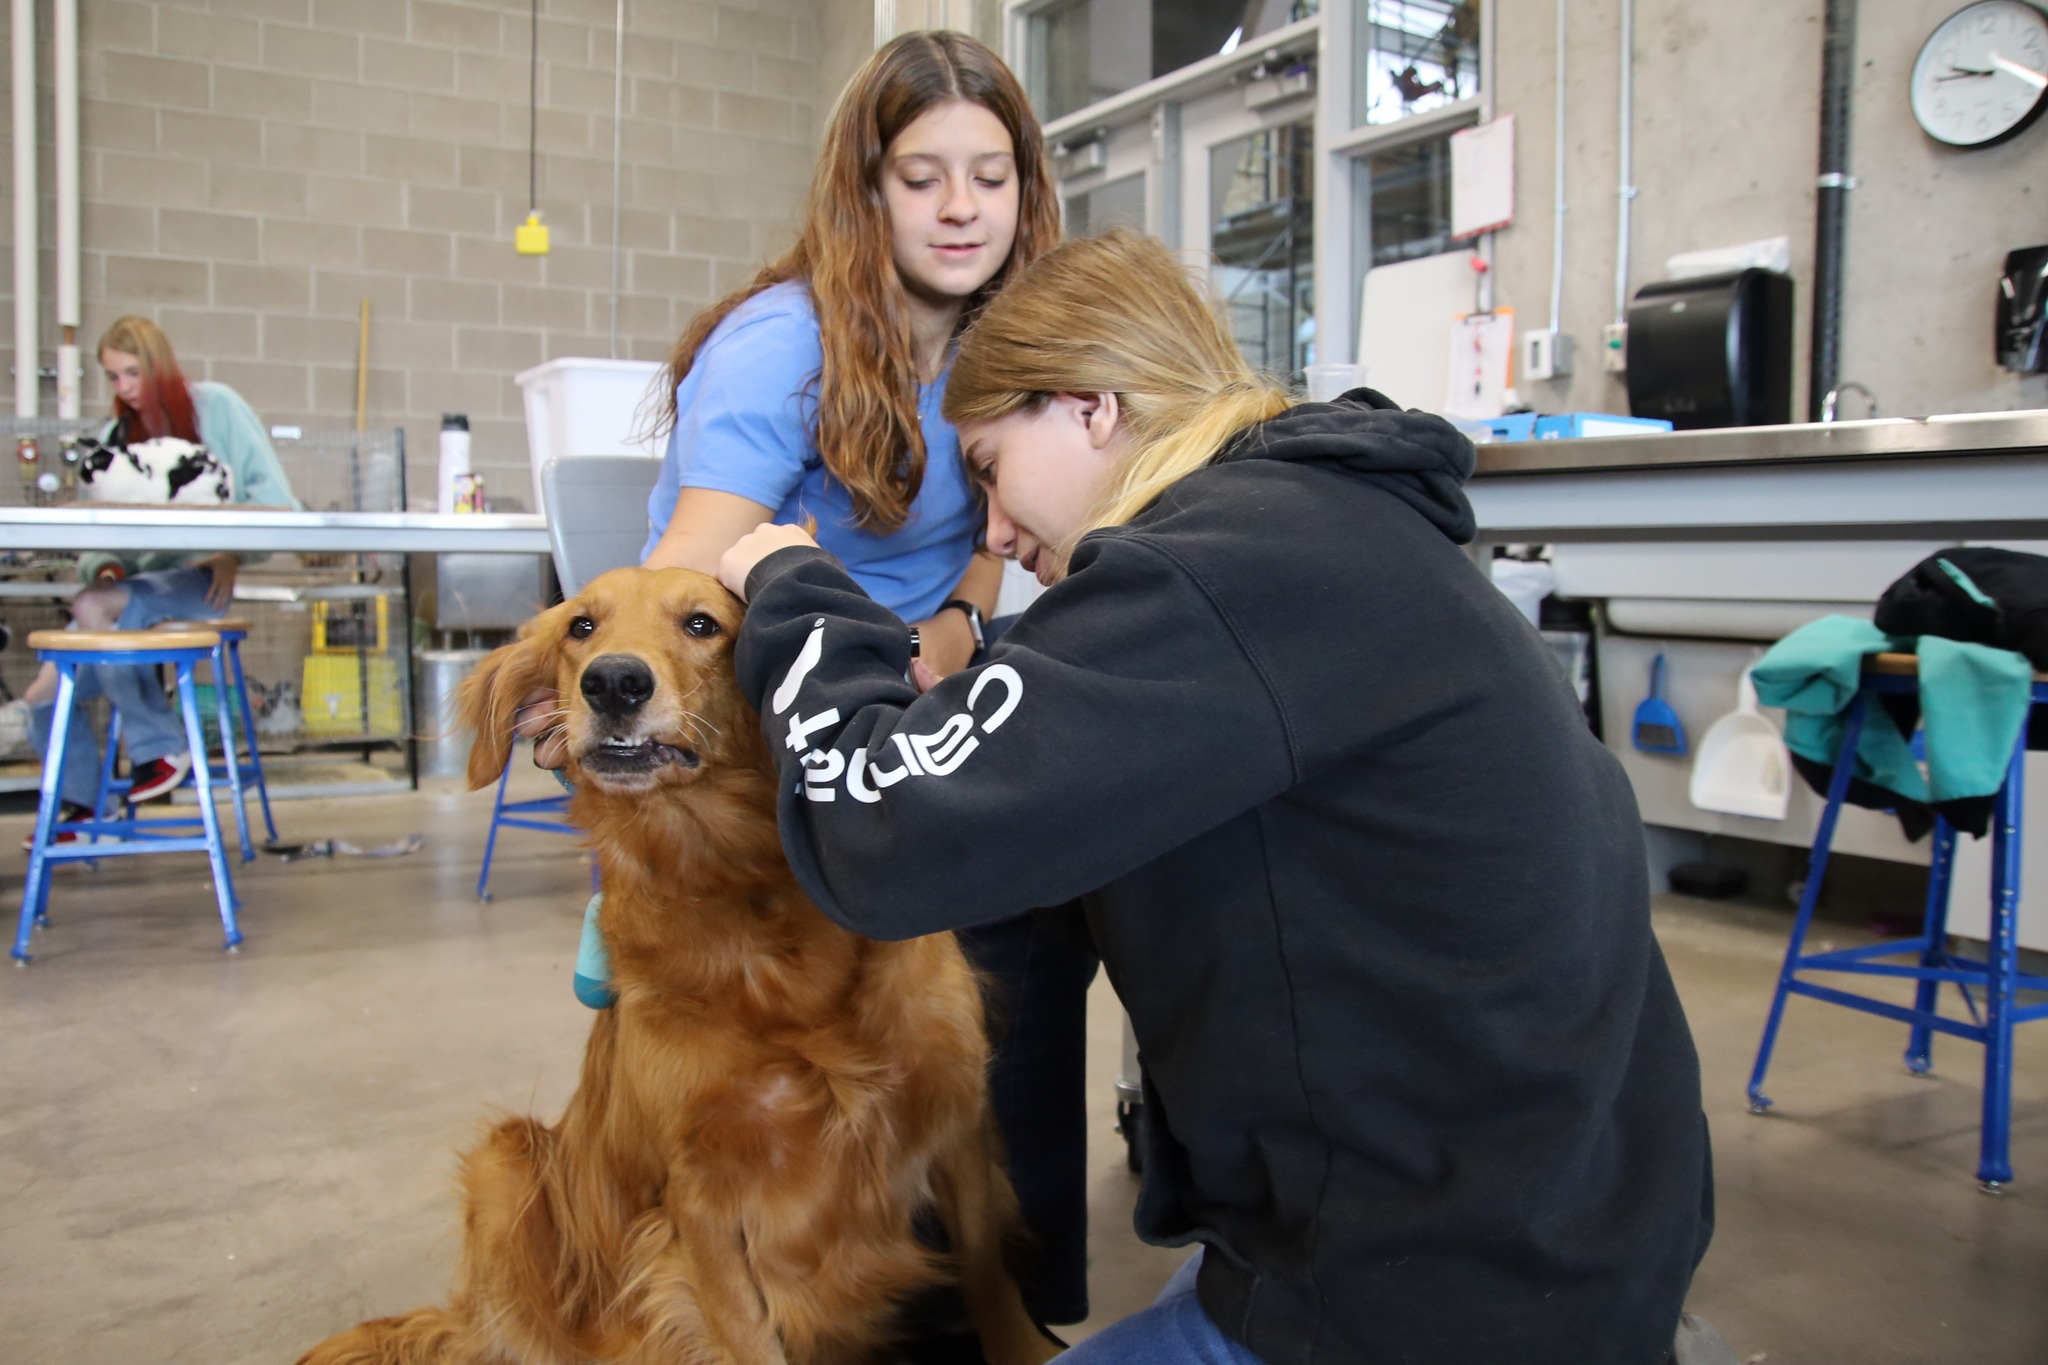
[1742, 767]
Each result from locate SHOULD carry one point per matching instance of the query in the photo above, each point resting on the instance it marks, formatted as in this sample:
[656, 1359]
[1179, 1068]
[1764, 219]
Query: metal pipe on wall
[65, 33]
[1831, 216]
[1625, 189]
[618, 144]
[1489, 49]
[27, 301]
[1558, 206]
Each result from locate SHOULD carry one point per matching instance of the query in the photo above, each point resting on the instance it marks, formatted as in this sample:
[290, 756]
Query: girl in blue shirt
[813, 392]
[812, 395]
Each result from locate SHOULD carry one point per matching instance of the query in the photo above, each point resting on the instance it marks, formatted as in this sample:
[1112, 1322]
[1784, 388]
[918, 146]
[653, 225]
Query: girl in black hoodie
[1375, 899]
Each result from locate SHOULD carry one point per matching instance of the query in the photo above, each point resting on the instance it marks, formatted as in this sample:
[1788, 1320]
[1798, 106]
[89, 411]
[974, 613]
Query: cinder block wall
[253, 169]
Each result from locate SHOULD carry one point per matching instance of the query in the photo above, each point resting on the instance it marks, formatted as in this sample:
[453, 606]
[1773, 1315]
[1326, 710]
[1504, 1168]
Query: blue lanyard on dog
[593, 965]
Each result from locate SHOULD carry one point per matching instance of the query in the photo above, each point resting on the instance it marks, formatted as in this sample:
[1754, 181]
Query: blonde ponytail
[1115, 314]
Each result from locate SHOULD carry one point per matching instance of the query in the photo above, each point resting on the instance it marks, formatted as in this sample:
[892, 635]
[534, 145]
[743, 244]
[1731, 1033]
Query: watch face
[1982, 76]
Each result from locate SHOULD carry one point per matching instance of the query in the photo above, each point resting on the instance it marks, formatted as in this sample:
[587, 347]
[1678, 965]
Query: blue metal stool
[1997, 975]
[547, 813]
[227, 672]
[69, 650]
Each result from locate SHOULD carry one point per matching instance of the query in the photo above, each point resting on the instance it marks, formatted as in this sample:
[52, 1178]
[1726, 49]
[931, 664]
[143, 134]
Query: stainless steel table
[257, 529]
[1973, 476]
[81, 527]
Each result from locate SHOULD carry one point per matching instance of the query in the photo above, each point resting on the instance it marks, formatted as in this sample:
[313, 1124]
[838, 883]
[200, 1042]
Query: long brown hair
[1115, 314]
[167, 400]
[868, 430]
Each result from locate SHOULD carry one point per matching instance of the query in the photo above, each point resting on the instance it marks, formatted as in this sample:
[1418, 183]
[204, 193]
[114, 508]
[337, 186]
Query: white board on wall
[1405, 316]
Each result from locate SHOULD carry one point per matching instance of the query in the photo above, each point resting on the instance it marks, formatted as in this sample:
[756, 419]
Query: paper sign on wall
[1483, 177]
[1482, 350]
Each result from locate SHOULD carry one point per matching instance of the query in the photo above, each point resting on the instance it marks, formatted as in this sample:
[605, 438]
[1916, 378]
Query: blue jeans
[1173, 1331]
[149, 723]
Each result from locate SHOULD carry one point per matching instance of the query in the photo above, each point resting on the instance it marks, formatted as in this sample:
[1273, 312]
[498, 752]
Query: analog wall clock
[1982, 75]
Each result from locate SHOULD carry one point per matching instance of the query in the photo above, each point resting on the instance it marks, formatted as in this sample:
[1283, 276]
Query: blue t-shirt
[746, 423]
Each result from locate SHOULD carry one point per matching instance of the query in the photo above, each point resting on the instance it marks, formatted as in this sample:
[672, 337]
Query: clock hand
[1956, 73]
[2026, 73]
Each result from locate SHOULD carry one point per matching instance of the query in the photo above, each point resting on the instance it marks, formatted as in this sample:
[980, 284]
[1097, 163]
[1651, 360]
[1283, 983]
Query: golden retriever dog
[772, 1100]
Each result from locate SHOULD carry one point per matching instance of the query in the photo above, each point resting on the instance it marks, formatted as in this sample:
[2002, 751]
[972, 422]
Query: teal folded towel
[1973, 703]
[593, 965]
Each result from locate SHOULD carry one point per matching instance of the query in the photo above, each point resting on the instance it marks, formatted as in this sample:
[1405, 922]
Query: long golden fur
[772, 1099]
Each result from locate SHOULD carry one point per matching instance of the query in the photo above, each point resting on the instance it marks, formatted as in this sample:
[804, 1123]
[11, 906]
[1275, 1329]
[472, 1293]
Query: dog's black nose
[617, 684]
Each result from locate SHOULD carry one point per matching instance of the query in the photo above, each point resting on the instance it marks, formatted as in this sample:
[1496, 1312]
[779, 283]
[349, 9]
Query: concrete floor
[219, 1159]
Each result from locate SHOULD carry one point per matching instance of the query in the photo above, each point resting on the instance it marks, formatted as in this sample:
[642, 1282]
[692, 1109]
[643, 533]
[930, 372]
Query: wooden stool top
[125, 641]
[223, 624]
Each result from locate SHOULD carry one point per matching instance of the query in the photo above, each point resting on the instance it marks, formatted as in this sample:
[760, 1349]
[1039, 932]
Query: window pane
[1260, 209]
[1412, 56]
[1410, 189]
[1089, 50]
[1120, 203]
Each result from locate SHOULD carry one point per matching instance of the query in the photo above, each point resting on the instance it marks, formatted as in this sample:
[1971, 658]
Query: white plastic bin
[583, 406]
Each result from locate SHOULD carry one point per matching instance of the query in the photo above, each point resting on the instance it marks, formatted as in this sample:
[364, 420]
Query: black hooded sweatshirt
[1373, 896]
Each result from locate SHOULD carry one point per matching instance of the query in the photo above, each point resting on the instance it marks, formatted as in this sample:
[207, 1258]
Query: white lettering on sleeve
[947, 748]
[856, 778]
[806, 660]
[801, 727]
[1013, 692]
[823, 767]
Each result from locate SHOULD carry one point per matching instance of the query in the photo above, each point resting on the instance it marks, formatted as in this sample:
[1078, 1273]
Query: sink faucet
[1827, 404]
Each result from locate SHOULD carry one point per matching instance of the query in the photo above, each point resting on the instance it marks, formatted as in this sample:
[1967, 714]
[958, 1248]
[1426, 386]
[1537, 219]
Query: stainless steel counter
[1964, 477]
[258, 529]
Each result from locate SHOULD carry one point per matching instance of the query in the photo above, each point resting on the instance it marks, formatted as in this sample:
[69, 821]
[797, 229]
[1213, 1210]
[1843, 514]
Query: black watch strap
[916, 642]
[974, 621]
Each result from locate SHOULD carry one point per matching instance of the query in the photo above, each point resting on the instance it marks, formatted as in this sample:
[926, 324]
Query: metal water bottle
[454, 460]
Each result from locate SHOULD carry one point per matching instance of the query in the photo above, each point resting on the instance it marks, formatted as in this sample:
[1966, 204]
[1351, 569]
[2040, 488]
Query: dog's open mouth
[632, 758]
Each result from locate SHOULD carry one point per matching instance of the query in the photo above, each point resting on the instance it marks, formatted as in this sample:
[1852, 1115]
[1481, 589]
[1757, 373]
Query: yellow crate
[331, 696]
[347, 626]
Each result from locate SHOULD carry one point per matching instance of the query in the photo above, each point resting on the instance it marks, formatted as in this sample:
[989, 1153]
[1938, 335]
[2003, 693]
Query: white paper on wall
[1483, 177]
[1482, 351]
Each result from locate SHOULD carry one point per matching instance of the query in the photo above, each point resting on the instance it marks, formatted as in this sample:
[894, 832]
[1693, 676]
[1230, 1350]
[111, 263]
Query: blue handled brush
[1657, 729]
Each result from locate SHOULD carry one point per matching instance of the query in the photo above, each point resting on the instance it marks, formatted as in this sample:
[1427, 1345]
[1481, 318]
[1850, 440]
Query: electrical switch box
[1546, 355]
[1614, 348]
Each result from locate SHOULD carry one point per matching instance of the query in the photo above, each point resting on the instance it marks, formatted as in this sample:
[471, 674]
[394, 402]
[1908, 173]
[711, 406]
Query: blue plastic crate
[1571, 424]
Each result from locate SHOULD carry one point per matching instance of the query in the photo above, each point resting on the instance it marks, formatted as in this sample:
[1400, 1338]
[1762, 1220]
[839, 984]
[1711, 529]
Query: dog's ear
[490, 697]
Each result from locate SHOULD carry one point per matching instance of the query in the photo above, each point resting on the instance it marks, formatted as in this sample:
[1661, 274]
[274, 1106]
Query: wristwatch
[973, 618]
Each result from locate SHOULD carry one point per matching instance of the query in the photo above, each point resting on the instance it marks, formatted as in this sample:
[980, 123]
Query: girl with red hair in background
[136, 590]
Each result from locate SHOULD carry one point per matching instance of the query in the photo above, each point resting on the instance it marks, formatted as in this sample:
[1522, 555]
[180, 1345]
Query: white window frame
[1340, 260]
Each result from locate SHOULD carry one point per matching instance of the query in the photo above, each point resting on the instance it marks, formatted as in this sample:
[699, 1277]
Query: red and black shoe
[66, 813]
[158, 777]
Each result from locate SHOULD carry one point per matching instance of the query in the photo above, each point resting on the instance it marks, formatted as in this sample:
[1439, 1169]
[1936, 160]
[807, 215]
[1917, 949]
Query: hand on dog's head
[641, 662]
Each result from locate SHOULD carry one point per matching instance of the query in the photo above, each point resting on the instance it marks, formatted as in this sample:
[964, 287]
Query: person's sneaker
[158, 776]
[14, 737]
[65, 837]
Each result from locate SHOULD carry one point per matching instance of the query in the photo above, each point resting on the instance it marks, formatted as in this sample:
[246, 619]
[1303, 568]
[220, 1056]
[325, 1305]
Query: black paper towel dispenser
[1712, 351]
[2023, 311]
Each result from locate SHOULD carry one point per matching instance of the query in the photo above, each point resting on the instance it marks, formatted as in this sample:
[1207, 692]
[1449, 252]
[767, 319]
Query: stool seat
[119, 641]
[225, 625]
[1906, 666]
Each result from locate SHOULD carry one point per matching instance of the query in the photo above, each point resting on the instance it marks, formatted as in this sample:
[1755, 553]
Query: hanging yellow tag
[530, 238]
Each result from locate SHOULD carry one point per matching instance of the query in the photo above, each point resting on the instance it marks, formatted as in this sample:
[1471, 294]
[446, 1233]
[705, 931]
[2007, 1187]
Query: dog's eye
[701, 624]
[582, 628]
